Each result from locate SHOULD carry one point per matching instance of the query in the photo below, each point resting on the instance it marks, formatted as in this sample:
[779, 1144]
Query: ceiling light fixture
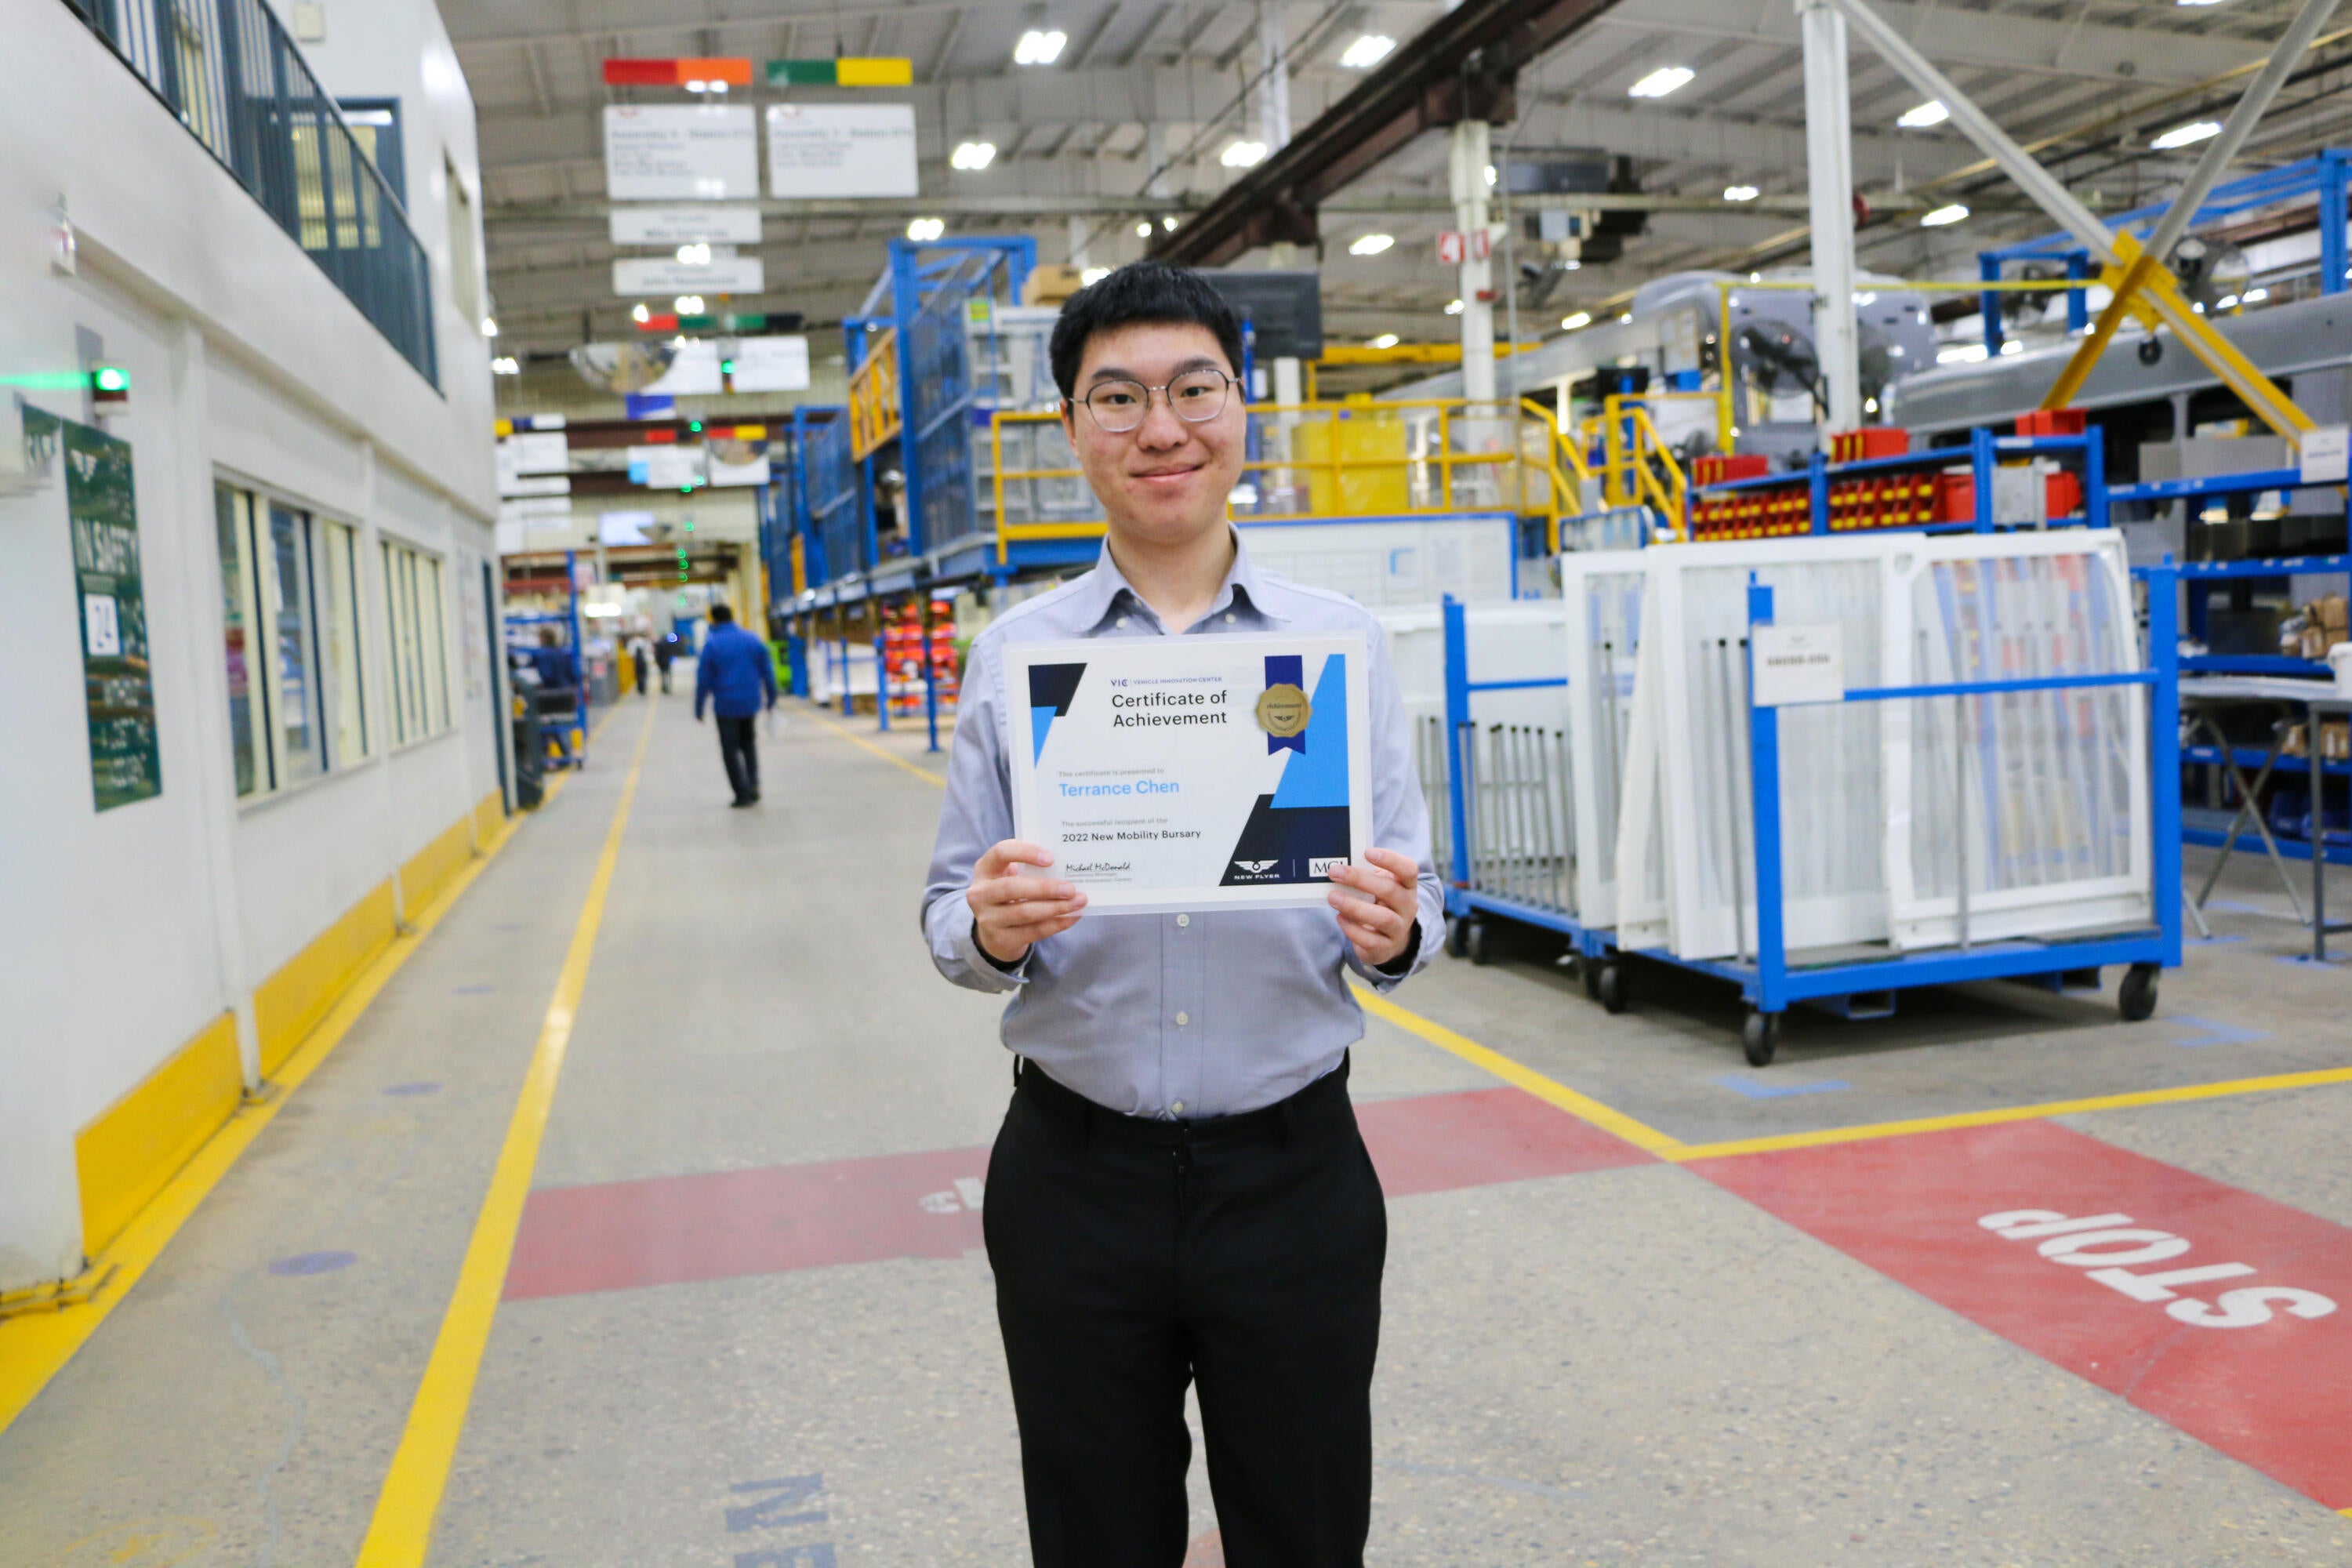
[1581, 318]
[1038, 47]
[1454, 308]
[506, 364]
[2185, 135]
[1931, 113]
[1942, 215]
[973, 156]
[1371, 244]
[1369, 51]
[1243, 154]
[1168, 222]
[1143, 231]
[1662, 81]
[687, 304]
[1741, 193]
[926, 228]
[640, 314]
[490, 326]
[1385, 341]
[694, 255]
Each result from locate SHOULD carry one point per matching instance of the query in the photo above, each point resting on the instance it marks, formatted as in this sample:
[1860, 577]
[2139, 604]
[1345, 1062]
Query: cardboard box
[1051, 283]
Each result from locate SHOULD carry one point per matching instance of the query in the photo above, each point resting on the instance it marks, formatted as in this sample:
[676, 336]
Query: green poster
[125, 764]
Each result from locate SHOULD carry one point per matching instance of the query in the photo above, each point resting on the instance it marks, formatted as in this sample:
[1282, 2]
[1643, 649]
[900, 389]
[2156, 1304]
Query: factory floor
[746, 1320]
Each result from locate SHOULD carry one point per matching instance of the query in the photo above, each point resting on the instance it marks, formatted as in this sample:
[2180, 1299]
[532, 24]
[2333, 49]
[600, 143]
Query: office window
[290, 637]
[420, 668]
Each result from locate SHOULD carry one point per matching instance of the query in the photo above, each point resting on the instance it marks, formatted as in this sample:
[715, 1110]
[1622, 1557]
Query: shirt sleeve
[976, 815]
[705, 670]
[1400, 815]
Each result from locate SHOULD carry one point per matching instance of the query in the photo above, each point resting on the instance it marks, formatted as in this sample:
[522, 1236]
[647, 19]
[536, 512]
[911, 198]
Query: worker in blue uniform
[559, 690]
[736, 676]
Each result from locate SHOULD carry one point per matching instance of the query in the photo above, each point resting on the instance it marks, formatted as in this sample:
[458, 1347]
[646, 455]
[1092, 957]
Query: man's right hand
[1011, 913]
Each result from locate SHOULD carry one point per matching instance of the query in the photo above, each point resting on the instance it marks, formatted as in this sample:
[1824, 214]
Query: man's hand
[1011, 913]
[1380, 925]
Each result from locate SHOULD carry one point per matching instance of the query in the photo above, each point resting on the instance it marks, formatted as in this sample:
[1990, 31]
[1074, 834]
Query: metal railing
[874, 415]
[227, 72]
[1322, 460]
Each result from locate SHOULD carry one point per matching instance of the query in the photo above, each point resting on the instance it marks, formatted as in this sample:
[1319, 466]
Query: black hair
[1141, 293]
[721, 614]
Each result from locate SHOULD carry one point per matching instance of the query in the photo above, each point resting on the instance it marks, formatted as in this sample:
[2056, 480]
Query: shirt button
[1178, 1108]
[1183, 1019]
[1183, 919]
[1229, 617]
[1121, 622]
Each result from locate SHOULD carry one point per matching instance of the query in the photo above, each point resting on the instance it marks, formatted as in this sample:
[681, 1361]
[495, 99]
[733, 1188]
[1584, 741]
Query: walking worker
[559, 690]
[665, 652]
[1179, 1192]
[738, 678]
[638, 666]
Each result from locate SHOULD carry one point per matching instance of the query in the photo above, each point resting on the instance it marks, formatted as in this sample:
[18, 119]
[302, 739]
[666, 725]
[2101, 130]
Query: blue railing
[228, 71]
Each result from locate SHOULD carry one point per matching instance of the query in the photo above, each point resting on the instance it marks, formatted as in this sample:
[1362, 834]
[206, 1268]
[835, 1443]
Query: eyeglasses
[1196, 397]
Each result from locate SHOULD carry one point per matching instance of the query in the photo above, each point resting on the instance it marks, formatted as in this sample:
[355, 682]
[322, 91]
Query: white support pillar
[1470, 151]
[1078, 232]
[1828, 181]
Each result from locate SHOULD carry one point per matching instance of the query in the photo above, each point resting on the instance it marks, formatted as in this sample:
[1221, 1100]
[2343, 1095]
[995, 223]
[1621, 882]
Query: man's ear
[1070, 422]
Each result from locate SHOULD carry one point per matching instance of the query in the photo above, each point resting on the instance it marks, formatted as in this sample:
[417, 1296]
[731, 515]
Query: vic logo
[1255, 867]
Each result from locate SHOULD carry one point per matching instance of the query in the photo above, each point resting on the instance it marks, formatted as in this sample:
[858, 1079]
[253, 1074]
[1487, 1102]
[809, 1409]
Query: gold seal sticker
[1283, 711]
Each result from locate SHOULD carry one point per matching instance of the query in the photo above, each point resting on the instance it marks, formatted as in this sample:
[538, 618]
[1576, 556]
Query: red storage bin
[1870, 441]
[2053, 422]
[1955, 498]
[1718, 468]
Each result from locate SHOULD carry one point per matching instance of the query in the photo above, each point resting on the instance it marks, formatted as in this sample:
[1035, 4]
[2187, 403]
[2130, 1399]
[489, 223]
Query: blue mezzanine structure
[2327, 176]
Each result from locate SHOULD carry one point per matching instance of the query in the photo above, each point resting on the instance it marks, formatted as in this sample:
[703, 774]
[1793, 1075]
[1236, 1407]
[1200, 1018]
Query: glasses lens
[1197, 395]
[1119, 405]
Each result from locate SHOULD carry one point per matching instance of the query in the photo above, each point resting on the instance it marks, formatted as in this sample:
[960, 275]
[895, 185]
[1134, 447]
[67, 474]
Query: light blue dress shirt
[1174, 1016]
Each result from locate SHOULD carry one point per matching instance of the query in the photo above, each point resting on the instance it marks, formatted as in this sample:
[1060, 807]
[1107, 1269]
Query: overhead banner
[126, 763]
[664, 275]
[685, 226]
[771, 365]
[841, 150]
[665, 152]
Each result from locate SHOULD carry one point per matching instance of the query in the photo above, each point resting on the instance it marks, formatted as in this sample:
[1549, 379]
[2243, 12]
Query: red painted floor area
[2207, 1307]
[669, 1230]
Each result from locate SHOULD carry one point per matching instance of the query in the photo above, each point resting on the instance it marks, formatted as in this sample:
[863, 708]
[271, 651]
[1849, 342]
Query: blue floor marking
[2206, 1032]
[2236, 907]
[1754, 1090]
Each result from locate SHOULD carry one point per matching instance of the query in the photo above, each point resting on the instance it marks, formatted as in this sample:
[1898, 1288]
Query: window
[420, 649]
[465, 273]
[290, 637]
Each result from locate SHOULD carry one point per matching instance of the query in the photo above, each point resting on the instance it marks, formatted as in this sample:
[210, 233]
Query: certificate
[1192, 773]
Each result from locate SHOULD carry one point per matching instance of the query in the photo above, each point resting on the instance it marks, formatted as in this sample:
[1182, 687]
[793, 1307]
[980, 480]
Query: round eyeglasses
[1196, 397]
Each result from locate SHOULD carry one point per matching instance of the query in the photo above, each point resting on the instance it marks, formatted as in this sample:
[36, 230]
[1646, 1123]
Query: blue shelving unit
[1983, 454]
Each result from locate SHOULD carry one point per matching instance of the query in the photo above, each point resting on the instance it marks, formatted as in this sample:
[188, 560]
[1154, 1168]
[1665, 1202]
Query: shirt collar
[1243, 589]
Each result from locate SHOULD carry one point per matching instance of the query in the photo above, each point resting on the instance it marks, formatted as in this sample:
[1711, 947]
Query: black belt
[1030, 1081]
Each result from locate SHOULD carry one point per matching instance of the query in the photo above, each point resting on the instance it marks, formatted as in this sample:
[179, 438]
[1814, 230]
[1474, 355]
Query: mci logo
[1320, 865]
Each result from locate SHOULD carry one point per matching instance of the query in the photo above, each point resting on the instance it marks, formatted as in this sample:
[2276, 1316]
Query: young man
[1178, 1194]
[738, 678]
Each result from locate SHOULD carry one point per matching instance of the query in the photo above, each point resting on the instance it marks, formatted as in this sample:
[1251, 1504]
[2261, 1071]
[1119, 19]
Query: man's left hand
[1380, 925]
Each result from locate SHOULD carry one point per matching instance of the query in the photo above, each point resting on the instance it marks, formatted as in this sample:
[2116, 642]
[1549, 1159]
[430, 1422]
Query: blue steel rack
[1770, 983]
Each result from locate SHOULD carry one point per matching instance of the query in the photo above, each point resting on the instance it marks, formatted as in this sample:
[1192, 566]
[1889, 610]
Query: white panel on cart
[1393, 562]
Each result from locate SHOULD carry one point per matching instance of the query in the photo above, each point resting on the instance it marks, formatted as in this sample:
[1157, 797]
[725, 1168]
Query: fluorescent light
[687, 304]
[1092, 275]
[506, 364]
[1741, 193]
[1931, 113]
[1454, 308]
[1371, 244]
[640, 313]
[694, 255]
[1490, 173]
[1625, 319]
[1385, 341]
[973, 156]
[1369, 51]
[1943, 216]
[1662, 81]
[2185, 135]
[926, 228]
[1581, 318]
[2225, 301]
[1039, 48]
[2253, 296]
[490, 326]
[1960, 353]
[1243, 154]
[1143, 231]
[1168, 222]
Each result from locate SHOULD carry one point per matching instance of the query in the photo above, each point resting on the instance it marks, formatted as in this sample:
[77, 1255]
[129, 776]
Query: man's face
[1166, 480]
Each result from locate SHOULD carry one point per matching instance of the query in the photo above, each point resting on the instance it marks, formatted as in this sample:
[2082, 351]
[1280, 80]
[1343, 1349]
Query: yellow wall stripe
[131, 1148]
[33, 1347]
[489, 815]
[423, 874]
[400, 1532]
[289, 1004]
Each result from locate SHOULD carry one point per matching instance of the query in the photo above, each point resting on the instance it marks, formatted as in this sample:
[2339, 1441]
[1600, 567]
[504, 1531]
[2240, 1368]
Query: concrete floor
[750, 1321]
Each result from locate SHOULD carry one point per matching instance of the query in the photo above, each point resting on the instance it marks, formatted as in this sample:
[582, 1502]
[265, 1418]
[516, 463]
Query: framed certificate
[1192, 773]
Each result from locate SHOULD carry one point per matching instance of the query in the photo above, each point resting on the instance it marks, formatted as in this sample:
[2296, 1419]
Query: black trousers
[1133, 1257]
[739, 747]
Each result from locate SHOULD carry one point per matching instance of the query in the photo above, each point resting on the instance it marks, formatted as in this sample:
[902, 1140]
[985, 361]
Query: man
[1178, 1194]
[665, 651]
[738, 678]
[559, 690]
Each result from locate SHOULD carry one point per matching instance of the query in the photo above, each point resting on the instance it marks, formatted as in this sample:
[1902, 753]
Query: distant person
[665, 651]
[736, 676]
[559, 689]
[637, 657]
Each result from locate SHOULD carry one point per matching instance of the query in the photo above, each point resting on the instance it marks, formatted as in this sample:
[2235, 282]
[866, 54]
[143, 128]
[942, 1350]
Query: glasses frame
[1231, 381]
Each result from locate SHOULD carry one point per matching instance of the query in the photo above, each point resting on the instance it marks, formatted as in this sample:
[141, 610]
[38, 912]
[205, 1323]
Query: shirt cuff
[1388, 976]
[993, 975]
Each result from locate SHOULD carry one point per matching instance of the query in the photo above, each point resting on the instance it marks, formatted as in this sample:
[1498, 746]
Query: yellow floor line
[2194, 1092]
[402, 1530]
[854, 738]
[33, 1348]
[1583, 1107]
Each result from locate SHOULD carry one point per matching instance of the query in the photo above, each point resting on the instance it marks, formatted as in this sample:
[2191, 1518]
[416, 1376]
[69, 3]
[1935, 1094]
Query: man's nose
[1161, 428]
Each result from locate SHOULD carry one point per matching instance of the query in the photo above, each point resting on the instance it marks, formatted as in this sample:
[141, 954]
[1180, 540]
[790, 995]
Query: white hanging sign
[665, 152]
[1800, 663]
[771, 364]
[667, 275]
[2324, 451]
[841, 150]
[685, 226]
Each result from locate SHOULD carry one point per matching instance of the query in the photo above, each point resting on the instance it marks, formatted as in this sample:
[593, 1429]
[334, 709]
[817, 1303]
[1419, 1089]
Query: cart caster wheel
[1457, 937]
[2136, 998]
[1609, 986]
[1587, 969]
[1759, 1038]
[1478, 941]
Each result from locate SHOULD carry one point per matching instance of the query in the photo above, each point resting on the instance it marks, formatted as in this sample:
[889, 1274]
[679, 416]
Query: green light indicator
[726, 367]
[695, 426]
[111, 378]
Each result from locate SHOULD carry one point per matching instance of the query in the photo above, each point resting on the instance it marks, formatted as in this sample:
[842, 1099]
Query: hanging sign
[841, 150]
[685, 226]
[1800, 663]
[2324, 455]
[119, 689]
[663, 153]
[771, 365]
[664, 275]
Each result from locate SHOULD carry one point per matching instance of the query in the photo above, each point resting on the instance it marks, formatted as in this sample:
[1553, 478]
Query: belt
[1030, 1082]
